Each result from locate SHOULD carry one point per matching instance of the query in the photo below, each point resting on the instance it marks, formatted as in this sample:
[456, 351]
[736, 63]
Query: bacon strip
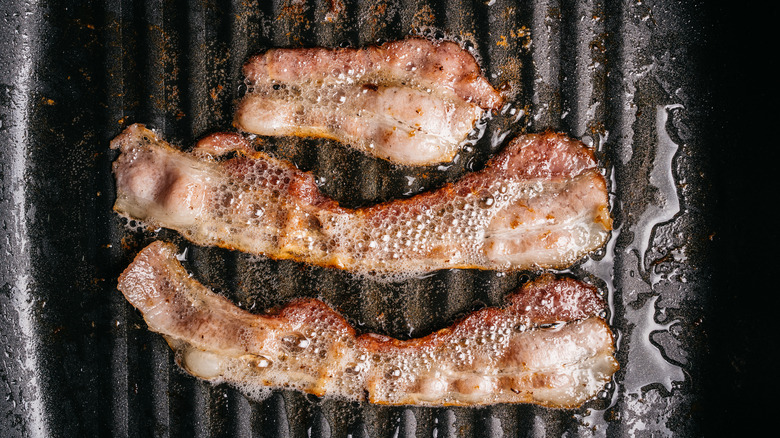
[548, 345]
[411, 101]
[540, 203]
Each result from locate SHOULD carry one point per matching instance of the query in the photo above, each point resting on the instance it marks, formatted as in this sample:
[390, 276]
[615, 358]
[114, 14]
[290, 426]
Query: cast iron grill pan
[79, 360]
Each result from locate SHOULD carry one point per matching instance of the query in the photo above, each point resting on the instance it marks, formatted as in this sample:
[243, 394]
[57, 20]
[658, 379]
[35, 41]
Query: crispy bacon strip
[540, 203]
[411, 101]
[548, 346]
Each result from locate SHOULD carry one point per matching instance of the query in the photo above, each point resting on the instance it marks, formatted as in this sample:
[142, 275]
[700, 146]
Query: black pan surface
[646, 82]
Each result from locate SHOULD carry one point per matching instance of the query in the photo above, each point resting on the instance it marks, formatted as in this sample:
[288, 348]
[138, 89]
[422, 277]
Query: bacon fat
[411, 102]
[549, 345]
[540, 203]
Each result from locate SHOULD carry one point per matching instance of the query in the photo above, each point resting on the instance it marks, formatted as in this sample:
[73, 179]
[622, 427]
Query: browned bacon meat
[412, 101]
[548, 345]
[540, 203]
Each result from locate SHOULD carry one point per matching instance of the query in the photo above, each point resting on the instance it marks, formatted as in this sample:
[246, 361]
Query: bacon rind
[508, 355]
[540, 203]
[411, 101]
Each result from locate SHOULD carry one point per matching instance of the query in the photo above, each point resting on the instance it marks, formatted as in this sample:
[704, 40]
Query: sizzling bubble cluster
[411, 102]
[491, 362]
[504, 217]
[492, 356]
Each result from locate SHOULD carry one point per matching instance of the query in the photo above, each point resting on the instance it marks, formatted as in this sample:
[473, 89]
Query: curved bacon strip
[547, 346]
[540, 203]
[411, 101]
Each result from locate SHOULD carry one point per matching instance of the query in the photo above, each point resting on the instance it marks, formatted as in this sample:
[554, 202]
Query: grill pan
[634, 79]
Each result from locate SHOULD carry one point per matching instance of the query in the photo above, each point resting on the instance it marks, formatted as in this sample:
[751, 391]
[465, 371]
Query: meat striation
[540, 203]
[412, 101]
[549, 345]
